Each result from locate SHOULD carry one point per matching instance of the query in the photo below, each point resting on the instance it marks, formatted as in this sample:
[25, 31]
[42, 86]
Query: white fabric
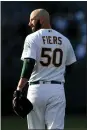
[49, 106]
[29, 50]
[52, 52]
[33, 46]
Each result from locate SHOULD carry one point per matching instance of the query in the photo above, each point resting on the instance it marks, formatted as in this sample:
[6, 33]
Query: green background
[72, 122]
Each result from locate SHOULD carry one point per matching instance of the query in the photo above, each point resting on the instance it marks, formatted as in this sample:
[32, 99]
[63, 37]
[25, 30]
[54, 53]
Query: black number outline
[53, 58]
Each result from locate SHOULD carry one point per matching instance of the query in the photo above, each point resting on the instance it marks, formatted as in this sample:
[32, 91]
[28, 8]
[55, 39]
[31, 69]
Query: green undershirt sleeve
[27, 68]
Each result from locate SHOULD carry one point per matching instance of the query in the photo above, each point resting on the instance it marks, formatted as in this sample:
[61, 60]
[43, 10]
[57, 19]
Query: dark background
[69, 18]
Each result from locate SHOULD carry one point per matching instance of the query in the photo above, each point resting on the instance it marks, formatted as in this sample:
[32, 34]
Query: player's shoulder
[65, 40]
[33, 35]
[61, 35]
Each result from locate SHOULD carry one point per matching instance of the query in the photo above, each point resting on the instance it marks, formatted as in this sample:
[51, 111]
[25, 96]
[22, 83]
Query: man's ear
[41, 20]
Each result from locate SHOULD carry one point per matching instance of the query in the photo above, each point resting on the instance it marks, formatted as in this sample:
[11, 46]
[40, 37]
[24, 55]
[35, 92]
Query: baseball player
[46, 55]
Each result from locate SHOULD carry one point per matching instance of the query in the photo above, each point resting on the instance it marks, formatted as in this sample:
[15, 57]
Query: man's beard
[37, 26]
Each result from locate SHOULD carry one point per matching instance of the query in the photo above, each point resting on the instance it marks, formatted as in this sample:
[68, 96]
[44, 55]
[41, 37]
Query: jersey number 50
[51, 57]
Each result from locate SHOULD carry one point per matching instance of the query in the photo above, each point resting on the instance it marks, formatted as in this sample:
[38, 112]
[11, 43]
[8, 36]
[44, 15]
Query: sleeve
[29, 50]
[71, 58]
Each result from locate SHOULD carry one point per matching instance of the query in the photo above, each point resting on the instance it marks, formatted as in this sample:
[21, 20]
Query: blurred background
[69, 18]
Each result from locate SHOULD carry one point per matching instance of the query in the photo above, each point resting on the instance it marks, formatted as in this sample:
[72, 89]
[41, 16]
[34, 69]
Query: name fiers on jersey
[52, 40]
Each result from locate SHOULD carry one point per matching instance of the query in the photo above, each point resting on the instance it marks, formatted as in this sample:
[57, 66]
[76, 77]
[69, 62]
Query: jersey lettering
[52, 40]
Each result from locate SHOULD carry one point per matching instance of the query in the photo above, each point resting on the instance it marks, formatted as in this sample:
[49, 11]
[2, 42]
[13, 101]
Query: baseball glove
[21, 105]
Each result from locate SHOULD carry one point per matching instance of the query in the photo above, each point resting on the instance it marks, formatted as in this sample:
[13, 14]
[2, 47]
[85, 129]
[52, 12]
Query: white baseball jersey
[52, 52]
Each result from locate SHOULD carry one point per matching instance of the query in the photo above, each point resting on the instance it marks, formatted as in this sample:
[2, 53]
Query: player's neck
[46, 26]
